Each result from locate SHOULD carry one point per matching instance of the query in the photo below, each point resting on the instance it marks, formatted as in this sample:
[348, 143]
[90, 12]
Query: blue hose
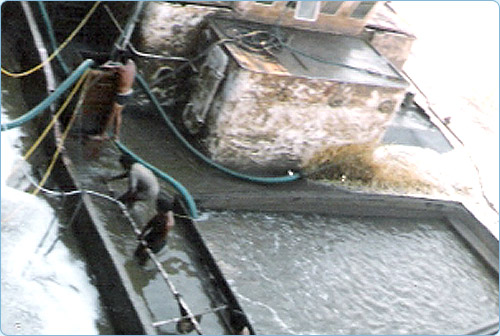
[50, 31]
[183, 191]
[50, 99]
[257, 179]
[179, 187]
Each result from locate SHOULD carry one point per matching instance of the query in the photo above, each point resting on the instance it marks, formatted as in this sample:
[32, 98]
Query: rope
[178, 319]
[174, 291]
[61, 142]
[50, 99]
[58, 50]
[55, 117]
[152, 256]
[40, 185]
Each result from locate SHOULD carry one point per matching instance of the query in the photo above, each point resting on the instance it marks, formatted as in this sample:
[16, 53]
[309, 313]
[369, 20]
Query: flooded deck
[180, 260]
[297, 273]
[375, 270]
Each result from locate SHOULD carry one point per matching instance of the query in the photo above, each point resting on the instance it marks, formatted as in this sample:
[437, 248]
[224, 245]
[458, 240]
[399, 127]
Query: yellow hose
[60, 144]
[55, 117]
[56, 52]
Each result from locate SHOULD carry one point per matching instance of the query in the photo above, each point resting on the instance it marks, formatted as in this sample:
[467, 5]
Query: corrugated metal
[101, 88]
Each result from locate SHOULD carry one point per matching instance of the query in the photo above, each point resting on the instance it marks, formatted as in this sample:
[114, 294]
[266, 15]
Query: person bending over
[142, 183]
[155, 233]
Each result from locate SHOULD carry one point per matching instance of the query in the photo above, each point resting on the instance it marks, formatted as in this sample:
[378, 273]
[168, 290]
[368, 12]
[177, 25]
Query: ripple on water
[324, 275]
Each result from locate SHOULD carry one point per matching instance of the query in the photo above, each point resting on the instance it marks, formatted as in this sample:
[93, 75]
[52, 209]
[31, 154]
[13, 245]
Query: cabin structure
[283, 79]
[340, 17]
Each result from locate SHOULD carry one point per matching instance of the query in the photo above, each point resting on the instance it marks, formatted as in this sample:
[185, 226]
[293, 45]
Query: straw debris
[356, 165]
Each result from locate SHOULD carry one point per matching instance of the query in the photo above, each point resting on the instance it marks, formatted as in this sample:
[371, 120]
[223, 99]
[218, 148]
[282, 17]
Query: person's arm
[118, 177]
[170, 220]
[149, 226]
[146, 229]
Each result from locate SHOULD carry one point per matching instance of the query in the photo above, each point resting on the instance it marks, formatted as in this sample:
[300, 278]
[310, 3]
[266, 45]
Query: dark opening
[363, 9]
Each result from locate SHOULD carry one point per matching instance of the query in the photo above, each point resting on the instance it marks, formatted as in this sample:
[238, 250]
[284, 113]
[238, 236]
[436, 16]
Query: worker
[155, 233]
[142, 183]
[125, 75]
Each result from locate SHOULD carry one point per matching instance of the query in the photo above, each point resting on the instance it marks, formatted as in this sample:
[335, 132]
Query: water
[297, 274]
[180, 258]
[45, 287]
[292, 274]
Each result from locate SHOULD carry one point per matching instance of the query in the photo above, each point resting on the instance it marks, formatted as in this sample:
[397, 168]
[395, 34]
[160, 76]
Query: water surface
[297, 274]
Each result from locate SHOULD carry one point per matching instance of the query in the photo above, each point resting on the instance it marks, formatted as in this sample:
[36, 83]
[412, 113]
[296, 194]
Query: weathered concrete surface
[170, 30]
[260, 119]
[275, 111]
[264, 119]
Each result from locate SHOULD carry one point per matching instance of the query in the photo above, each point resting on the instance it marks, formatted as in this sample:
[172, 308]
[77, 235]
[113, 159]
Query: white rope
[178, 319]
[135, 227]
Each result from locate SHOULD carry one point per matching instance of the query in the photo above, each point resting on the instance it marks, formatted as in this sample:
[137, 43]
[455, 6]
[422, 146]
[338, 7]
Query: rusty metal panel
[256, 62]
[100, 88]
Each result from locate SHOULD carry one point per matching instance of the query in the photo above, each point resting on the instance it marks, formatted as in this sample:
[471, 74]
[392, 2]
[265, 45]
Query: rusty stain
[256, 62]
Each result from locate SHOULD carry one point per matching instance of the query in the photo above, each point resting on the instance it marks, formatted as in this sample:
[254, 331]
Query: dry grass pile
[355, 164]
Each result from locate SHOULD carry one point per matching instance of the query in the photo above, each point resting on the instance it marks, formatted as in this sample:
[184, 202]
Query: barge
[131, 294]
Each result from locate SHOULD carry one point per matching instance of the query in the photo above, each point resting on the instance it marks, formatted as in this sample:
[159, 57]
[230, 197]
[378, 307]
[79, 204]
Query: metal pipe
[124, 39]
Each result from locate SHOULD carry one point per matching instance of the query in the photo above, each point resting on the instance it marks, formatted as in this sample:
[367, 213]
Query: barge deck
[131, 293]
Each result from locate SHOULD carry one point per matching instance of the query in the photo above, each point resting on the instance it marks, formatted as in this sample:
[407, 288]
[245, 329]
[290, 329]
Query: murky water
[321, 275]
[179, 259]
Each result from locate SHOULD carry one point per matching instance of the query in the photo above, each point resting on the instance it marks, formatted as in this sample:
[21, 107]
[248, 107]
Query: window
[330, 7]
[307, 10]
[363, 9]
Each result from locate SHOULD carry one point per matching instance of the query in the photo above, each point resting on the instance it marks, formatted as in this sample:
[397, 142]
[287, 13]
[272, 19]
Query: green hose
[179, 187]
[187, 197]
[37, 110]
[50, 31]
[257, 179]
